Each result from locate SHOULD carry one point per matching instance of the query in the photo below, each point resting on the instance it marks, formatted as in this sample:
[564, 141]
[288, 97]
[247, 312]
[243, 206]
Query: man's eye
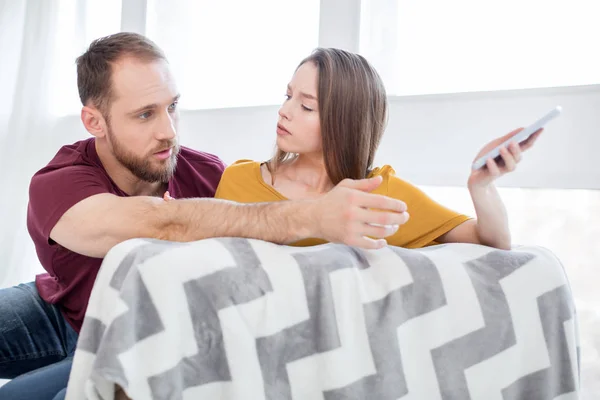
[145, 115]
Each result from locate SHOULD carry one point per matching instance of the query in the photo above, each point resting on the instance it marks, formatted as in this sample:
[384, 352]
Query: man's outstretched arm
[344, 215]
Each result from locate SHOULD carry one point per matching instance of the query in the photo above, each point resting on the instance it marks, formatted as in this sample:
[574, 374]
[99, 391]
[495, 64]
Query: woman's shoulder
[244, 163]
[241, 173]
[384, 171]
[387, 172]
[392, 182]
[239, 181]
[243, 166]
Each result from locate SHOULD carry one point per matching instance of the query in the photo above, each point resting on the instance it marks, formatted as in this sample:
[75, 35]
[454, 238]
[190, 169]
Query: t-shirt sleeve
[428, 219]
[52, 193]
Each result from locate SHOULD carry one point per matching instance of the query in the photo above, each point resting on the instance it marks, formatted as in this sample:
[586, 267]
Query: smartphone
[519, 138]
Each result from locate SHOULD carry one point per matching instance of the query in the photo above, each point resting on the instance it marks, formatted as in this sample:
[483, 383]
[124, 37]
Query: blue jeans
[36, 345]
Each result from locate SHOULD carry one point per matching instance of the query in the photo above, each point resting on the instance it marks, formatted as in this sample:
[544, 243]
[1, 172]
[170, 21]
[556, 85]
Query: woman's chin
[285, 147]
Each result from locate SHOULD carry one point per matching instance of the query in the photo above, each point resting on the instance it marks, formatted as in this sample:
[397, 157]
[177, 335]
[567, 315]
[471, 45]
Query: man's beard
[143, 167]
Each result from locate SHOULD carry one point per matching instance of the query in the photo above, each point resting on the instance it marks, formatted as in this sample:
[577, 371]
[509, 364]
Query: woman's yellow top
[243, 182]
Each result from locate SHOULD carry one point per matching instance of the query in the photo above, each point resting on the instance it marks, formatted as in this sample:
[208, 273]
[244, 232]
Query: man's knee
[43, 383]
[15, 296]
[61, 395]
[16, 307]
[28, 336]
[15, 390]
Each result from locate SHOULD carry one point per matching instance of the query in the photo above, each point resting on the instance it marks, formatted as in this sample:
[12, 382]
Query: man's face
[143, 117]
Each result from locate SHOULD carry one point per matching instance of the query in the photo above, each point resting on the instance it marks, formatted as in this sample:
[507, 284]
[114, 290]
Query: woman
[329, 128]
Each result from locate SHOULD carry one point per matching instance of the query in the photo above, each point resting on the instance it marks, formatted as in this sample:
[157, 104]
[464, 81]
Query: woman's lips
[282, 131]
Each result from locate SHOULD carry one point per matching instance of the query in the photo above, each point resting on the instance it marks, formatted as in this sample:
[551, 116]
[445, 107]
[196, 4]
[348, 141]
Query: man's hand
[351, 215]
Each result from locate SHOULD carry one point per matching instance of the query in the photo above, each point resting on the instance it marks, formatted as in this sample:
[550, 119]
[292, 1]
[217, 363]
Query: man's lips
[164, 154]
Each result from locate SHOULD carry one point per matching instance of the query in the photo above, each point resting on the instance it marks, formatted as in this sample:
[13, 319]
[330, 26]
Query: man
[99, 192]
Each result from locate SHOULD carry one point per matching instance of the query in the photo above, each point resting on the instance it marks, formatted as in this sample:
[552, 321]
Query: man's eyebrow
[302, 94]
[152, 106]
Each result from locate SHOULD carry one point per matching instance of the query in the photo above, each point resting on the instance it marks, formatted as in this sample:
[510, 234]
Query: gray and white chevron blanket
[245, 319]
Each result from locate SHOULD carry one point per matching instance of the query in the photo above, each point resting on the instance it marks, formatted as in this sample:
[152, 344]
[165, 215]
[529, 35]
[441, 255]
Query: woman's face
[298, 128]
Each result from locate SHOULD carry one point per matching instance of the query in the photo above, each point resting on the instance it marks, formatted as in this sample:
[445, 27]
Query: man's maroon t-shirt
[74, 174]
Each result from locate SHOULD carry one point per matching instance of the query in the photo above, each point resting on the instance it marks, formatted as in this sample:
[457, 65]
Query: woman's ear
[94, 122]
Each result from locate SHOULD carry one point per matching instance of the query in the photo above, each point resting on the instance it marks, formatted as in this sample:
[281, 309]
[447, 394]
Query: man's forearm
[194, 219]
[344, 215]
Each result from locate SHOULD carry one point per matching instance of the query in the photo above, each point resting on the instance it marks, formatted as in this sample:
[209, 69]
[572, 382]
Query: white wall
[430, 140]
[433, 139]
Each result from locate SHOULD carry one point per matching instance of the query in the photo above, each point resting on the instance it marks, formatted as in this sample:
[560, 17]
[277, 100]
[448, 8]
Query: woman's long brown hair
[353, 112]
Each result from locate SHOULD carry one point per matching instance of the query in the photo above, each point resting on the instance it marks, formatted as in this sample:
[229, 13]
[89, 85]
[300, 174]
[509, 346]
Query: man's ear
[94, 121]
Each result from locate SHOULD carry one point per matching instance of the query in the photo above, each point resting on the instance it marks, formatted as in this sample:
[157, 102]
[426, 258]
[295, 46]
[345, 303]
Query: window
[439, 46]
[11, 20]
[233, 53]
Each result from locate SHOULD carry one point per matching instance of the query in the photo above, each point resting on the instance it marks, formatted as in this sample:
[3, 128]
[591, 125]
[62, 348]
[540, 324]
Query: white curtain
[39, 41]
[27, 32]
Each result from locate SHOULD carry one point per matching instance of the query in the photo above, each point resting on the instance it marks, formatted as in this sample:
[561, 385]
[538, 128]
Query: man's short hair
[94, 67]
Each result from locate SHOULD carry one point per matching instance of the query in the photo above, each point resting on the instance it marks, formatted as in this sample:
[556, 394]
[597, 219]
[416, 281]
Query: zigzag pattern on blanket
[237, 318]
